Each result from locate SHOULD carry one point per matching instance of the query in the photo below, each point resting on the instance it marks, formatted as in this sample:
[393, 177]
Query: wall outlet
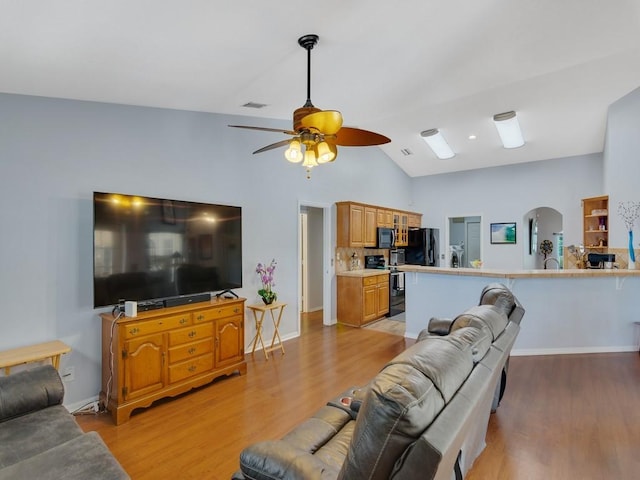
[69, 374]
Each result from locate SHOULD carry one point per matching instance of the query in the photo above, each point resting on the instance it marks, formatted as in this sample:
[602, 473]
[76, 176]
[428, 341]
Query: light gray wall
[55, 153]
[622, 164]
[314, 260]
[505, 194]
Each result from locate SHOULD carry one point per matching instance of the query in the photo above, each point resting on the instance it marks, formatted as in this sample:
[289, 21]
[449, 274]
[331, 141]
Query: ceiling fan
[318, 131]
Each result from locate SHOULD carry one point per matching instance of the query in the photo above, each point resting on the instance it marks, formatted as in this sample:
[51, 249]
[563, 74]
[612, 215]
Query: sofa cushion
[402, 401]
[83, 457]
[482, 316]
[28, 435]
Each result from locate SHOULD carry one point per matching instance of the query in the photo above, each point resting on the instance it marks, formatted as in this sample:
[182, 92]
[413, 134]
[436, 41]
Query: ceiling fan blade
[355, 137]
[281, 143]
[327, 122]
[265, 129]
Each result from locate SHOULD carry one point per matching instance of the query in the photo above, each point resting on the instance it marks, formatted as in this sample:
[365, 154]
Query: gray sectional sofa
[40, 439]
[425, 415]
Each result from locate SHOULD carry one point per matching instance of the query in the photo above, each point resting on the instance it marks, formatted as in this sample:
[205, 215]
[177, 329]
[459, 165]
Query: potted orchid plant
[265, 272]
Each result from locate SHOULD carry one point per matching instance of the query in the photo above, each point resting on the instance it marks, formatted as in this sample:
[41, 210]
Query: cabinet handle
[192, 368]
[192, 351]
[200, 317]
[183, 321]
[192, 333]
[134, 330]
[235, 310]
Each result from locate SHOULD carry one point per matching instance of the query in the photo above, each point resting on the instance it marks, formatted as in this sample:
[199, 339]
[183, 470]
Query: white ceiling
[396, 68]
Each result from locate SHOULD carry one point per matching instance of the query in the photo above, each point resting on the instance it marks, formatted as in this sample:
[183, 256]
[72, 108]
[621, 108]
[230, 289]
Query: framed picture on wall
[503, 233]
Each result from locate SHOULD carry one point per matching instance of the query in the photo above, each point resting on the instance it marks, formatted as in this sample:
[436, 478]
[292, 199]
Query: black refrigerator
[423, 247]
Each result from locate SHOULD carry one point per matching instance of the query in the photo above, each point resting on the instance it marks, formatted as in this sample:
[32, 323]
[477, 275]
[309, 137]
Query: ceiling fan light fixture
[509, 129]
[437, 143]
[309, 159]
[325, 152]
[294, 152]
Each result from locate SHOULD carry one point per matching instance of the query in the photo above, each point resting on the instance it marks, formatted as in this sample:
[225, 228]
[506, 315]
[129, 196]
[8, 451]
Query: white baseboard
[72, 407]
[521, 352]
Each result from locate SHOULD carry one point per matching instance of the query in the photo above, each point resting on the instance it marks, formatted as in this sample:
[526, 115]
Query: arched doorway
[543, 223]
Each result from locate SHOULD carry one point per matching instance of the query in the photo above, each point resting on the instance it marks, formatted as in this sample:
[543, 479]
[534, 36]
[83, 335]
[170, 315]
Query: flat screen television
[147, 249]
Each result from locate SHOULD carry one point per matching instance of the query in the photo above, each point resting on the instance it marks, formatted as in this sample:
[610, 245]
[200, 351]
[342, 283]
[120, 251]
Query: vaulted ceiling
[396, 68]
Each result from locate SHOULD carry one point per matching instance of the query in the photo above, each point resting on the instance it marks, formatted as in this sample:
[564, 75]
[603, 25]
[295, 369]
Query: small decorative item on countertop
[629, 211]
[266, 277]
[477, 263]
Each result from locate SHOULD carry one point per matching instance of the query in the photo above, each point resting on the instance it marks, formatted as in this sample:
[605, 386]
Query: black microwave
[386, 238]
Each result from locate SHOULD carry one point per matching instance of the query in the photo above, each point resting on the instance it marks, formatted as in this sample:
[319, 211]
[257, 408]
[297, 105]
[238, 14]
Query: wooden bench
[33, 353]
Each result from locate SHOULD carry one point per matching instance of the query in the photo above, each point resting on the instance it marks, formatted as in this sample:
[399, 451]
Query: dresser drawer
[190, 368]
[190, 334]
[217, 312]
[190, 350]
[160, 324]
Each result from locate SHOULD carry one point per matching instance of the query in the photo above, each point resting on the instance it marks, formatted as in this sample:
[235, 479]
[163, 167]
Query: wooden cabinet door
[385, 218]
[414, 220]
[356, 226]
[401, 226]
[370, 227]
[370, 303]
[143, 363]
[383, 298]
[229, 341]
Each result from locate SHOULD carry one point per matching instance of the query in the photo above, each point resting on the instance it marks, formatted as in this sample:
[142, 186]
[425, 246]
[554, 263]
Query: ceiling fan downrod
[308, 42]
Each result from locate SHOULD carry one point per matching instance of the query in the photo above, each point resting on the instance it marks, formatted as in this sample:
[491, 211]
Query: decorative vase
[631, 265]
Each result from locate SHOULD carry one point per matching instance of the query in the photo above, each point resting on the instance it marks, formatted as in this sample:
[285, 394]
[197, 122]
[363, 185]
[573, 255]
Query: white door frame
[327, 257]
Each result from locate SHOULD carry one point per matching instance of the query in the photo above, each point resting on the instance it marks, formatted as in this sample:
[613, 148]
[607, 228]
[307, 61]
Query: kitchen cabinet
[414, 220]
[362, 299]
[356, 225]
[595, 220]
[401, 227]
[384, 218]
[166, 352]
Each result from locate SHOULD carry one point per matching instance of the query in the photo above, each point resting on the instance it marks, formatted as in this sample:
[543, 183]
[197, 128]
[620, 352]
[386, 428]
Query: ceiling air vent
[254, 105]
[406, 152]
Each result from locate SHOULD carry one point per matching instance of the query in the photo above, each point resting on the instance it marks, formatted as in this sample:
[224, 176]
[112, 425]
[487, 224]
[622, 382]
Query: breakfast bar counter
[567, 311]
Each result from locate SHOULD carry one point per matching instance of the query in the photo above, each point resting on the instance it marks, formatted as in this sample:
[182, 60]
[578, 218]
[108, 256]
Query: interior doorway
[314, 285]
[463, 242]
[543, 223]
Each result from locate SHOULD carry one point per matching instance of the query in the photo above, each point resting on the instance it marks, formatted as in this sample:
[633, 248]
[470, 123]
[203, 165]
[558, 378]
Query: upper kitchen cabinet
[596, 222]
[414, 220]
[401, 226]
[385, 217]
[357, 225]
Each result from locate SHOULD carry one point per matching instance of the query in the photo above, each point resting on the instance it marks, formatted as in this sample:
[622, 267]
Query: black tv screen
[153, 248]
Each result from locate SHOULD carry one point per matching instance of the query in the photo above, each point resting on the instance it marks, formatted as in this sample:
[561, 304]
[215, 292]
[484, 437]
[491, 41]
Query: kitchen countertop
[362, 273]
[498, 273]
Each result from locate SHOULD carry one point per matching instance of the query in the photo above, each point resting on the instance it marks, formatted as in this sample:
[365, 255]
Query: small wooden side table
[33, 353]
[258, 315]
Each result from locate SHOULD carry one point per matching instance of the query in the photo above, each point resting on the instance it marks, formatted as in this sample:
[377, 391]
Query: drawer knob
[134, 330]
[183, 321]
[192, 333]
[192, 368]
[192, 351]
[200, 317]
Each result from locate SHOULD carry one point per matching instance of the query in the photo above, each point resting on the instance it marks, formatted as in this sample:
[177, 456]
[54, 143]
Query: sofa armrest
[29, 390]
[276, 459]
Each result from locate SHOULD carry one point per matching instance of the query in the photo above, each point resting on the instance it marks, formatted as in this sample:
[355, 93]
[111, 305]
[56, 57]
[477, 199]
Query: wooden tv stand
[169, 351]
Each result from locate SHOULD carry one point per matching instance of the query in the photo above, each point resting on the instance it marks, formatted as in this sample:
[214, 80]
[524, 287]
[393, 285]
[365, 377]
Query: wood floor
[562, 417]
